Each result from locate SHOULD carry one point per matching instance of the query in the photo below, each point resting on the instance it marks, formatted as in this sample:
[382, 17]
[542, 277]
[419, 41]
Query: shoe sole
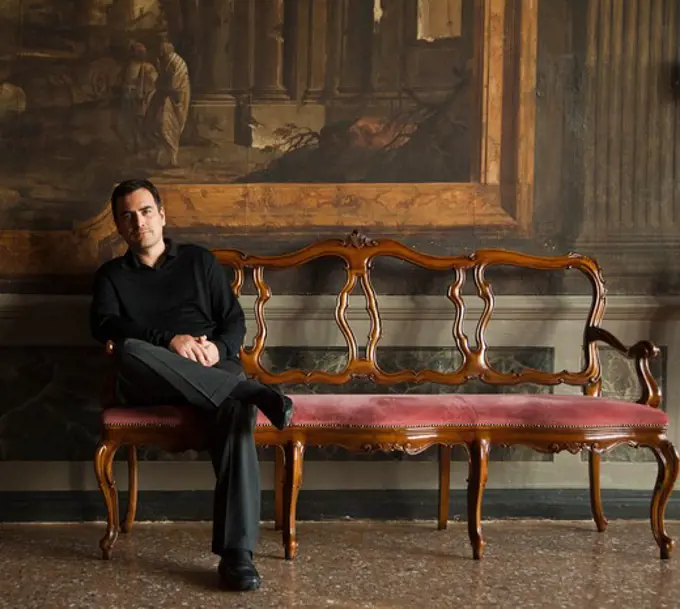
[242, 587]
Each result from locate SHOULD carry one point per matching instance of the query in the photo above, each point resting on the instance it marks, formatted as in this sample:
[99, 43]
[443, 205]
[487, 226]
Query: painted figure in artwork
[138, 87]
[169, 108]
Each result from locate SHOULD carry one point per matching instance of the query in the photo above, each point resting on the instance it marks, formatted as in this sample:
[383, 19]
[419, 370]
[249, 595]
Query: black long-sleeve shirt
[188, 293]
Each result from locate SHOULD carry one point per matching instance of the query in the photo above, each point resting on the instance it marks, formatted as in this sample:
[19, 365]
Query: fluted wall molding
[632, 128]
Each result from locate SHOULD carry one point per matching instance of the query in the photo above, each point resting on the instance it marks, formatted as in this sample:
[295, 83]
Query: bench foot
[444, 485]
[279, 486]
[478, 454]
[293, 480]
[594, 460]
[669, 462]
[666, 549]
[133, 489]
[103, 468]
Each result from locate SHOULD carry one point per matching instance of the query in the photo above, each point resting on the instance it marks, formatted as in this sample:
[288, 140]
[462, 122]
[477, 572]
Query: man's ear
[161, 211]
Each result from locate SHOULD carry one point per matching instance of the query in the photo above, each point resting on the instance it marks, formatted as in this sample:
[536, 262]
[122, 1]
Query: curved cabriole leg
[667, 457]
[478, 473]
[594, 460]
[293, 479]
[279, 484]
[103, 467]
[444, 484]
[133, 489]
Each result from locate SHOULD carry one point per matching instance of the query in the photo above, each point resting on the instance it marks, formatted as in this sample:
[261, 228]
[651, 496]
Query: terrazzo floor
[344, 565]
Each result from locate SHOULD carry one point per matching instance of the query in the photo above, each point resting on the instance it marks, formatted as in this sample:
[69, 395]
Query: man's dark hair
[128, 187]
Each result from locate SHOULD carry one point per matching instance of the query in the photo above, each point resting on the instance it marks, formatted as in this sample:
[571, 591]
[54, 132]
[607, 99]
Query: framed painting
[255, 116]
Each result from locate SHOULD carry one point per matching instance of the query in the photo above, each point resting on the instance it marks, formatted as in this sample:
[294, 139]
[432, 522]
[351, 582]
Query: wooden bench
[412, 423]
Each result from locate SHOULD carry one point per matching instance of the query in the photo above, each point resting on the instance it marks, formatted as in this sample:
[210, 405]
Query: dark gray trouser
[150, 375]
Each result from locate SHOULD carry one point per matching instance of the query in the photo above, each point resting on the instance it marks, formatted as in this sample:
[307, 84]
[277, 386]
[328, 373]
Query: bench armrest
[642, 352]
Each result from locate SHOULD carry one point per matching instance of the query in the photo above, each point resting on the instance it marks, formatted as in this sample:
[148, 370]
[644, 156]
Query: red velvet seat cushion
[467, 410]
[475, 410]
[150, 416]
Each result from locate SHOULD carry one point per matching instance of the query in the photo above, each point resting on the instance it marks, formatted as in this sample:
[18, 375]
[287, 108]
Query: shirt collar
[131, 261]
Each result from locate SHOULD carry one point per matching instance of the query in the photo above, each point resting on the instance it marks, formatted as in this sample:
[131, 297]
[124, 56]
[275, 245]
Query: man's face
[139, 220]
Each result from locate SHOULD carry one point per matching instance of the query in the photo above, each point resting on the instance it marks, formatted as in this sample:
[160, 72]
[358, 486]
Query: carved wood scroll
[358, 253]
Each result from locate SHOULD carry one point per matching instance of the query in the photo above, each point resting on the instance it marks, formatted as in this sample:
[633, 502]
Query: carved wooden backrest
[358, 254]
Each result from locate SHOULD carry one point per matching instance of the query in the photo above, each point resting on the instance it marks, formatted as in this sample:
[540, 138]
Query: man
[178, 330]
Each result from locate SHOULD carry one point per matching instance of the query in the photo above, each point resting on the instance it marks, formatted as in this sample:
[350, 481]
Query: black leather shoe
[285, 408]
[276, 406]
[237, 571]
